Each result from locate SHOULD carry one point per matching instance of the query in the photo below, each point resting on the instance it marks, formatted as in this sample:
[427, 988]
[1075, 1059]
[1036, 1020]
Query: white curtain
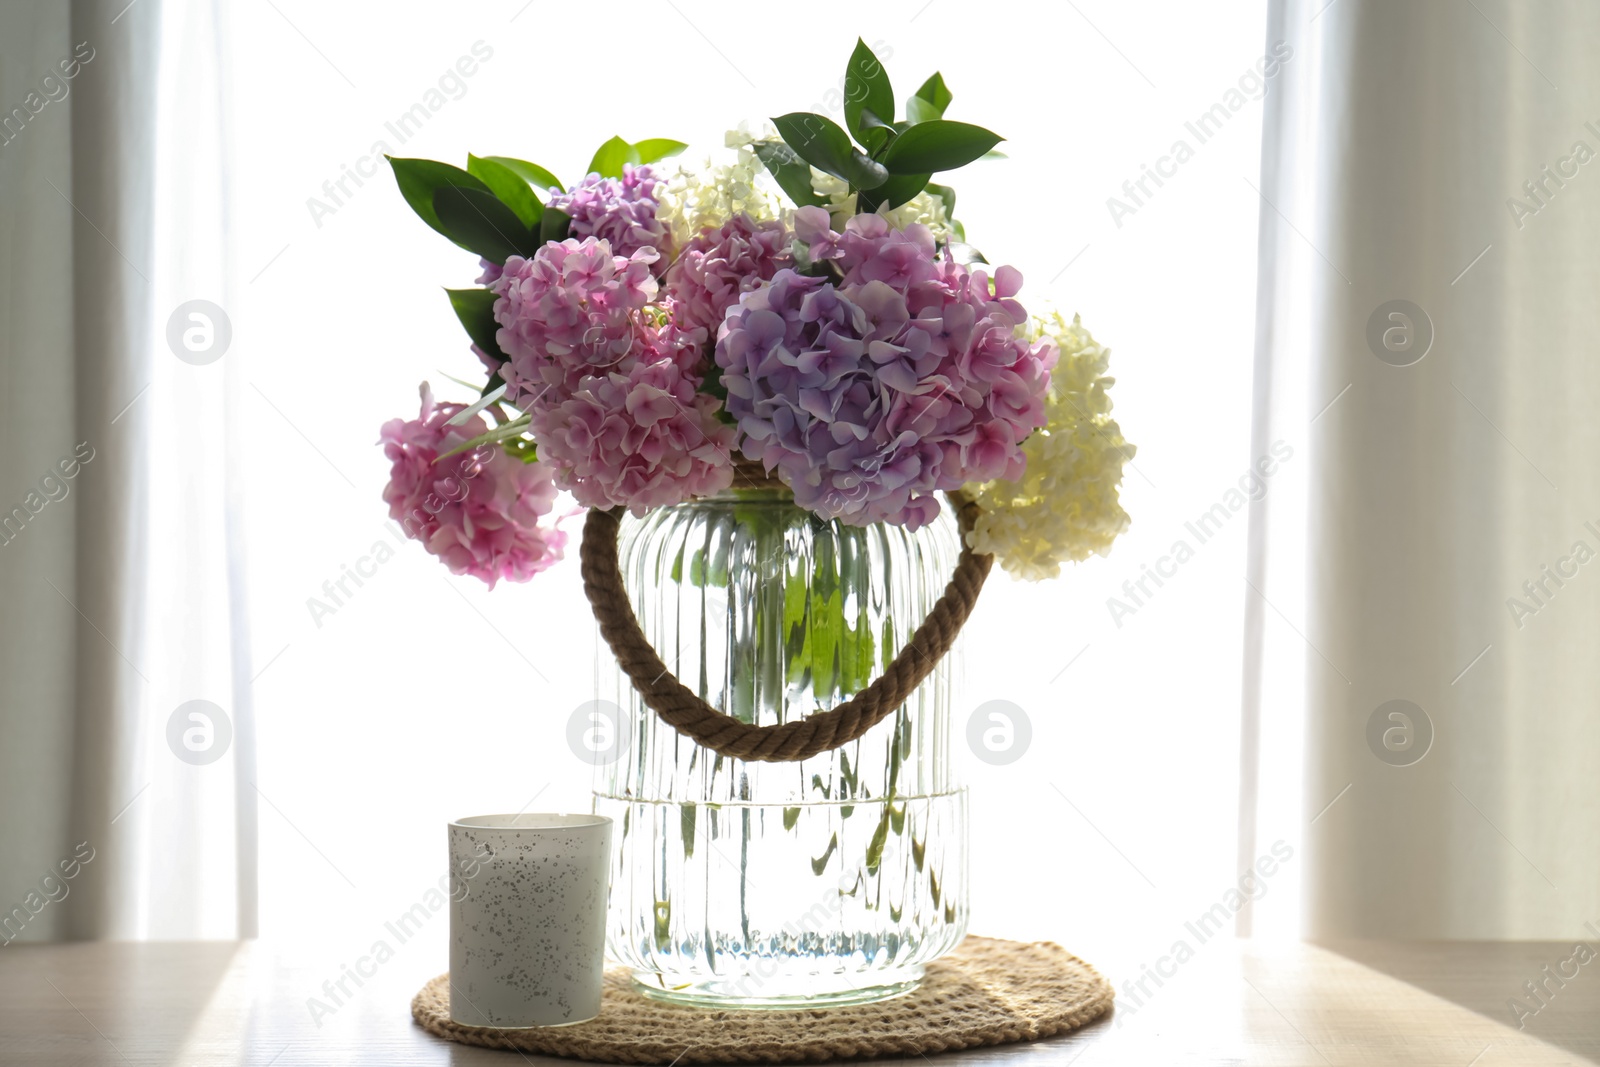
[1427, 330]
[128, 808]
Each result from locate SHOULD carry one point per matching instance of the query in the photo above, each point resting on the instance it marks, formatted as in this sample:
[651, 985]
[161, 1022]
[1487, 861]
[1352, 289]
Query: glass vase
[833, 879]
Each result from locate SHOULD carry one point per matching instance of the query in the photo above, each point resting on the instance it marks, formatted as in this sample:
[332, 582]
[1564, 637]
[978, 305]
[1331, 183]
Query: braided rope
[680, 708]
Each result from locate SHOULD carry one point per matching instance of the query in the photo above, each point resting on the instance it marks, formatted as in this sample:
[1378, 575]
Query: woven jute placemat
[987, 992]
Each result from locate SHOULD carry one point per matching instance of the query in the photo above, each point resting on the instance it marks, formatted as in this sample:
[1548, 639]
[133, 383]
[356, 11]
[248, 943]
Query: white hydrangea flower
[704, 196]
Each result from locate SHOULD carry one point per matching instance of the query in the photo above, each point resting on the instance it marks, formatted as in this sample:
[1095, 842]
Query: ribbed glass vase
[833, 879]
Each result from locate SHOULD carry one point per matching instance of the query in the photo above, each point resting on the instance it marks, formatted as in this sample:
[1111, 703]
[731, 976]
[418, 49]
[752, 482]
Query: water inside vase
[762, 903]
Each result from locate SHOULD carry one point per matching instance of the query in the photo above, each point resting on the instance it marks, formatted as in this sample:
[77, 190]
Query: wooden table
[198, 1004]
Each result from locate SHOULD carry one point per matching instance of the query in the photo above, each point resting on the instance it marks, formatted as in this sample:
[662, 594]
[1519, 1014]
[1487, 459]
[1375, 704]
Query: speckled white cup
[527, 918]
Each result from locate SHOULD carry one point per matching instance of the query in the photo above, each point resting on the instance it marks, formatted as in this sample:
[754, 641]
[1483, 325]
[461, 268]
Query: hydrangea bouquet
[808, 303]
[777, 361]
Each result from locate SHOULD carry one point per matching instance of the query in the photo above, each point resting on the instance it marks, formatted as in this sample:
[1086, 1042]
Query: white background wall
[425, 697]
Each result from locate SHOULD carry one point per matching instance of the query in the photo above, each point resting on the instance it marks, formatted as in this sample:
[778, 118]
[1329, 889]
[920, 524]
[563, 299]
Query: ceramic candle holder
[527, 918]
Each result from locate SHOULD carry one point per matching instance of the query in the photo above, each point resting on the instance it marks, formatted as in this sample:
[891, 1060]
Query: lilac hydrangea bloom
[621, 211]
[904, 379]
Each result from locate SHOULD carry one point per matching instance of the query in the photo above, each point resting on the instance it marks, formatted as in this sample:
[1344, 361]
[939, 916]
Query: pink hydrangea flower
[621, 211]
[568, 312]
[904, 379]
[641, 437]
[718, 266]
[479, 511]
[612, 390]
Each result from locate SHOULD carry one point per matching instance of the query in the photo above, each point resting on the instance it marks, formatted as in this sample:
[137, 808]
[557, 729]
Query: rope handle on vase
[785, 742]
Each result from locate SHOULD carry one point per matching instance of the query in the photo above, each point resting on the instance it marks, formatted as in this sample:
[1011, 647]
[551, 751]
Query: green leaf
[948, 195]
[880, 133]
[894, 192]
[872, 123]
[820, 863]
[459, 381]
[958, 251]
[686, 814]
[483, 403]
[656, 148]
[663, 926]
[476, 220]
[520, 447]
[919, 110]
[822, 143]
[510, 187]
[938, 145]
[866, 86]
[475, 309]
[712, 386]
[880, 837]
[419, 179]
[609, 158]
[934, 94]
[554, 225]
[792, 173]
[515, 428]
[541, 180]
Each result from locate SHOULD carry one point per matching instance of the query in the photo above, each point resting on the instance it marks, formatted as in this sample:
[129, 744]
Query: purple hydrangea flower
[619, 211]
[905, 379]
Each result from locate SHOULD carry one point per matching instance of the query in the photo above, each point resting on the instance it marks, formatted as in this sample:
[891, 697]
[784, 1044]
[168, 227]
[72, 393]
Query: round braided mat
[987, 992]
